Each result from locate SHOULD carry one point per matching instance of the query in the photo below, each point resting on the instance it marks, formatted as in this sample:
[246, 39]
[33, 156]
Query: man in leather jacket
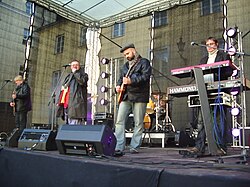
[21, 102]
[135, 77]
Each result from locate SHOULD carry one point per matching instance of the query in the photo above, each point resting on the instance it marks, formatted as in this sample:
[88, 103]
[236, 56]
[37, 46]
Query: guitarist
[133, 87]
[21, 102]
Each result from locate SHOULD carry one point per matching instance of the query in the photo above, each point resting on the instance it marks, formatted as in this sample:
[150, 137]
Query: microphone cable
[219, 120]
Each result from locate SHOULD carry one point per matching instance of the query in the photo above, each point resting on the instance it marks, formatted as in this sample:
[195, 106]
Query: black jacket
[138, 90]
[77, 105]
[22, 101]
[221, 56]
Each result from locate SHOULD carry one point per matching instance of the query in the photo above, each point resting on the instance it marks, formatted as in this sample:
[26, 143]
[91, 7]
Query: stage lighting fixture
[232, 32]
[235, 132]
[232, 50]
[105, 61]
[235, 111]
[104, 102]
[235, 91]
[104, 89]
[235, 73]
[104, 75]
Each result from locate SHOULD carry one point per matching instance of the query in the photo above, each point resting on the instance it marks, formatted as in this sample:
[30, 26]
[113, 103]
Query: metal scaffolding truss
[77, 15]
[239, 121]
[141, 10]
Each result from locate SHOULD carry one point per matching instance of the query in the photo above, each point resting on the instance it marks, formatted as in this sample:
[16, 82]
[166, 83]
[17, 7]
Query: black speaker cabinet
[104, 119]
[108, 122]
[86, 140]
[12, 140]
[37, 139]
[183, 139]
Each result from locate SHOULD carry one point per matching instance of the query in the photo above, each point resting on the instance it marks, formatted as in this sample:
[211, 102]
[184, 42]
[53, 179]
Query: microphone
[193, 43]
[201, 45]
[66, 65]
[8, 80]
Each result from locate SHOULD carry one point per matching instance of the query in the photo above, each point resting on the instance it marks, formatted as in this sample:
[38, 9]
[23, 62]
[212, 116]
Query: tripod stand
[53, 100]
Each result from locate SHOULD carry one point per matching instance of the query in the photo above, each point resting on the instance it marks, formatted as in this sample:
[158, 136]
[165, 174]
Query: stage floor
[152, 166]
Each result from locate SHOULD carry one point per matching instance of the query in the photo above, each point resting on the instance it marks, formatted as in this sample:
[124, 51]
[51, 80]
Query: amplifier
[37, 139]
[103, 115]
[222, 98]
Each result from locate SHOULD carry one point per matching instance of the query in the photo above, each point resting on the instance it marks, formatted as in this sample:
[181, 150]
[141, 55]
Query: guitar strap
[134, 65]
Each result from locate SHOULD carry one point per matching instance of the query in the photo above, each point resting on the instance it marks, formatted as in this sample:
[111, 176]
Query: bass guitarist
[133, 87]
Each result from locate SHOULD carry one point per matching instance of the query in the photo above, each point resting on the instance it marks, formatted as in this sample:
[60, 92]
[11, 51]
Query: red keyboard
[207, 68]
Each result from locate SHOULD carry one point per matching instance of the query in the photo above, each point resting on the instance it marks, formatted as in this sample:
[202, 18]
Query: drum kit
[157, 117]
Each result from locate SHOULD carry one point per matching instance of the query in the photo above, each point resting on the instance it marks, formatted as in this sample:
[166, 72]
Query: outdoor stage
[152, 167]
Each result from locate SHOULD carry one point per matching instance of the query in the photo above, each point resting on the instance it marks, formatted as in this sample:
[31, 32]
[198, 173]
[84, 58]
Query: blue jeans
[126, 108]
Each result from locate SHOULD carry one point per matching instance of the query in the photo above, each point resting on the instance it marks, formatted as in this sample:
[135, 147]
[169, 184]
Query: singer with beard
[21, 102]
[72, 104]
[213, 55]
[133, 89]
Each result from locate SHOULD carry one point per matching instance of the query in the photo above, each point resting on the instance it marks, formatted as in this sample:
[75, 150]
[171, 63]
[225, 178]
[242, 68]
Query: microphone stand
[165, 76]
[221, 49]
[158, 105]
[53, 99]
[4, 84]
[167, 118]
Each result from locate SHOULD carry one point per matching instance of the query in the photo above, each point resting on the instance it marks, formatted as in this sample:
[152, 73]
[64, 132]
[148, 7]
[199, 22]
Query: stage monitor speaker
[37, 139]
[86, 140]
[12, 140]
[108, 122]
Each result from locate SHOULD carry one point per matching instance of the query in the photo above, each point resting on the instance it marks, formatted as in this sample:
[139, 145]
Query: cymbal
[157, 93]
[165, 100]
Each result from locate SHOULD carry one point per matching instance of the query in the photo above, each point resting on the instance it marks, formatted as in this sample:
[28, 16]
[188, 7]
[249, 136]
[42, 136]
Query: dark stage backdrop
[7, 120]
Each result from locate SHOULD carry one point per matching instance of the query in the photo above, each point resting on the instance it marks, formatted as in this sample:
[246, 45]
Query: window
[161, 57]
[26, 33]
[118, 63]
[55, 78]
[160, 18]
[83, 36]
[59, 44]
[118, 30]
[210, 6]
[29, 8]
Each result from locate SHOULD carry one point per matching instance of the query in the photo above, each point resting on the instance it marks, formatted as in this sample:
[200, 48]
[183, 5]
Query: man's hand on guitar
[126, 80]
[118, 89]
[12, 104]
[13, 95]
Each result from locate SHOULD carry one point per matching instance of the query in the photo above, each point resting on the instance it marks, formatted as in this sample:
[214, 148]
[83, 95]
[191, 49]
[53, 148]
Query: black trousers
[21, 120]
[220, 124]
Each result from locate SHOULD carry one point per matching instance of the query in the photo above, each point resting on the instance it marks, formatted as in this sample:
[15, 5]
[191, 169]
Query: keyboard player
[213, 55]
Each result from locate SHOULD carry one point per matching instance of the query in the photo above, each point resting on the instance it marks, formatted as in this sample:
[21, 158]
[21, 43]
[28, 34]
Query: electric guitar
[14, 104]
[124, 86]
